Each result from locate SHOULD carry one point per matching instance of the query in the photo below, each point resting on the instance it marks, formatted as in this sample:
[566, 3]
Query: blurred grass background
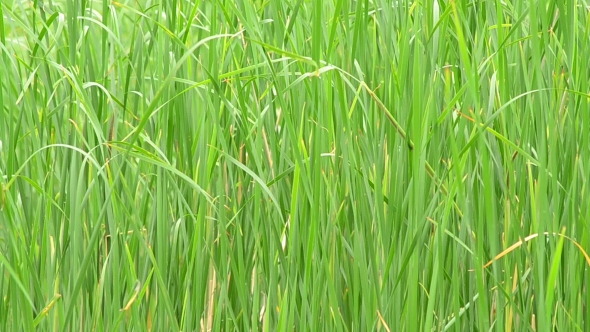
[297, 165]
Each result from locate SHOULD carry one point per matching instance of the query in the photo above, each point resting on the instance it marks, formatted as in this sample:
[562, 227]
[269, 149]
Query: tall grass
[294, 165]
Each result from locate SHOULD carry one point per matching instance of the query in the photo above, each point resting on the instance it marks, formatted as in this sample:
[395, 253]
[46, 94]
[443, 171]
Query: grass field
[299, 165]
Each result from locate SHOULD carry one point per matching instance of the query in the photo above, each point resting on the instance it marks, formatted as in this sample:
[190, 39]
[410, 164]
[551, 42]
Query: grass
[294, 165]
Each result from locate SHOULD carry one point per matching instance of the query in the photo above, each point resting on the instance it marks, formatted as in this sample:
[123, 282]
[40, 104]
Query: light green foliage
[249, 165]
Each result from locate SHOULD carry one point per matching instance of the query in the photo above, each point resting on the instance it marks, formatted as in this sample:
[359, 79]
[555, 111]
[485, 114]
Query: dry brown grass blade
[511, 311]
[383, 322]
[530, 237]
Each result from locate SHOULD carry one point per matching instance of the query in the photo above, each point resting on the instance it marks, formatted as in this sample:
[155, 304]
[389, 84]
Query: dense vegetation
[298, 165]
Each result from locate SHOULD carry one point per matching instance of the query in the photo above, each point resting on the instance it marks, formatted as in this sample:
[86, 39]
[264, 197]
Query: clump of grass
[294, 165]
